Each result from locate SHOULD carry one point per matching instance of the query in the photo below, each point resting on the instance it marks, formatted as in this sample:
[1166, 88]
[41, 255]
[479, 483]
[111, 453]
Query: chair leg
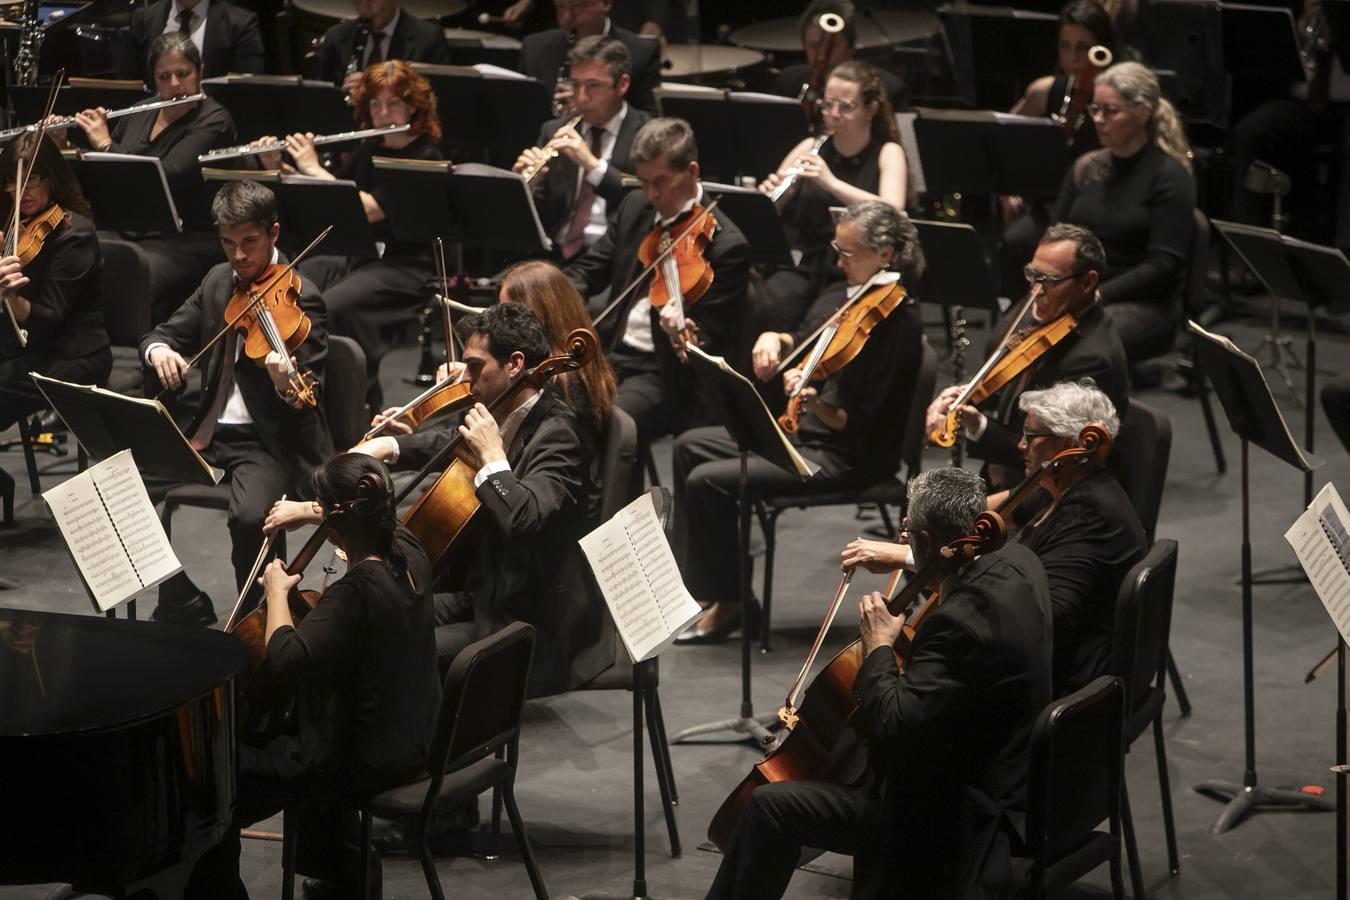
[1178, 686]
[6, 498]
[428, 864]
[1131, 847]
[1206, 407]
[662, 776]
[654, 713]
[1165, 786]
[496, 839]
[523, 840]
[365, 854]
[649, 463]
[287, 857]
[29, 457]
[768, 524]
[1117, 880]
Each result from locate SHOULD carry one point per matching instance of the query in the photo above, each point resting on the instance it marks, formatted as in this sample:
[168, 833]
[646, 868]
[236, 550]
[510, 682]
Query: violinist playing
[851, 422]
[1062, 279]
[362, 668]
[250, 421]
[934, 814]
[659, 393]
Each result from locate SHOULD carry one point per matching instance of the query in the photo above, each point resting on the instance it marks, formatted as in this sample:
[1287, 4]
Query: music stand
[496, 111]
[1255, 418]
[514, 225]
[985, 152]
[280, 105]
[76, 95]
[757, 218]
[997, 51]
[128, 193]
[307, 205]
[755, 431]
[739, 133]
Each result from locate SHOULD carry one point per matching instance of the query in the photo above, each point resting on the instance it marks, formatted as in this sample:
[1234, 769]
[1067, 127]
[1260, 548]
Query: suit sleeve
[77, 262]
[414, 450]
[182, 331]
[611, 186]
[248, 46]
[719, 312]
[133, 62]
[594, 270]
[998, 444]
[646, 76]
[524, 504]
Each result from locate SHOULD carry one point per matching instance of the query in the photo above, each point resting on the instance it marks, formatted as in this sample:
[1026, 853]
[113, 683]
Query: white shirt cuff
[150, 348]
[976, 430]
[492, 468]
[596, 175]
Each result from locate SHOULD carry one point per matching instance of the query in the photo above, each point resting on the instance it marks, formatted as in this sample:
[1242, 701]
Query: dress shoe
[714, 628]
[196, 610]
[391, 836]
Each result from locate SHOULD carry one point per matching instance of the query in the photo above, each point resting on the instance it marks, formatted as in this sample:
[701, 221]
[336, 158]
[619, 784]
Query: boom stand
[752, 728]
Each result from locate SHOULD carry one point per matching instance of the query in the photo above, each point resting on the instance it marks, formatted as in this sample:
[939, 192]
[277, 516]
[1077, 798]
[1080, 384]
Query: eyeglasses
[1029, 436]
[846, 254]
[1033, 277]
[843, 106]
[34, 181]
[1106, 111]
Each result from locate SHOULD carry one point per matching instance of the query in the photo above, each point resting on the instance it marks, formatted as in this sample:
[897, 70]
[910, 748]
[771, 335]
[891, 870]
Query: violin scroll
[581, 345]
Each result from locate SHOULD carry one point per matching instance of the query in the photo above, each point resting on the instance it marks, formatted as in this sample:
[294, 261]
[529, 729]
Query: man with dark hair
[659, 392]
[250, 423]
[544, 54]
[1063, 277]
[947, 736]
[825, 50]
[382, 30]
[227, 36]
[580, 189]
[531, 478]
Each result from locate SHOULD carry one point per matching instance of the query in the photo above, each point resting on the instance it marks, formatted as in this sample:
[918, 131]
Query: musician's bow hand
[94, 124]
[277, 582]
[454, 372]
[390, 424]
[481, 433]
[169, 366]
[306, 157]
[568, 143]
[530, 156]
[11, 273]
[877, 557]
[876, 624]
[289, 515]
[767, 354]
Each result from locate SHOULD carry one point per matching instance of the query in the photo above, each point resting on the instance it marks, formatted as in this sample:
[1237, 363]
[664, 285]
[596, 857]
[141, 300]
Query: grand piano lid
[68, 674]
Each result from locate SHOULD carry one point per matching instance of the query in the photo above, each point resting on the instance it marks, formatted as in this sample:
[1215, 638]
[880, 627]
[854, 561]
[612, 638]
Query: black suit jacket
[233, 41]
[66, 321]
[542, 54]
[525, 563]
[556, 192]
[297, 439]
[950, 735]
[413, 40]
[612, 262]
[1092, 350]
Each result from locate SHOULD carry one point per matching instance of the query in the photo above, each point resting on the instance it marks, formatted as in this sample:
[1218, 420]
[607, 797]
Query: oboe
[530, 172]
[271, 146]
[359, 47]
[68, 121]
[792, 173]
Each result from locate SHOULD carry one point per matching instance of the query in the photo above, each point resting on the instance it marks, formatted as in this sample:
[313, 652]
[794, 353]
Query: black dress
[66, 335]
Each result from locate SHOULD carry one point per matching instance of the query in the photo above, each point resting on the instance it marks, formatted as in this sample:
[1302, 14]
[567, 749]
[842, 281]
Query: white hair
[1065, 408]
[944, 502]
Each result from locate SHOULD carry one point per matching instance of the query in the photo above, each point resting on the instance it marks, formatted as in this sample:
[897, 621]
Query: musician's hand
[11, 273]
[815, 169]
[792, 378]
[272, 158]
[1013, 208]
[768, 185]
[940, 405]
[878, 627]
[389, 423]
[169, 365]
[22, 308]
[568, 143]
[563, 94]
[767, 354]
[278, 371]
[383, 448]
[277, 582]
[351, 81]
[672, 323]
[301, 149]
[58, 136]
[289, 515]
[528, 157]
[455, 371]
[516, 12]
[94, 123]
[482, 435]
[877, 557]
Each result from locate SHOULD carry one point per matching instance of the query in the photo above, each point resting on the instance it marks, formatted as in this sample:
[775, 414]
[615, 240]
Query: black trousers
[707, 477]
[19, 395]
[1146, 329]
[459, 624]
[642, 393]
[780, 819]
[1336, 403]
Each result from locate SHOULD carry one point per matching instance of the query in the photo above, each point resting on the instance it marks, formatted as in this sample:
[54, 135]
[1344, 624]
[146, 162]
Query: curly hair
[881, 225]
[49, 164]
[868, 79]
[405, 83]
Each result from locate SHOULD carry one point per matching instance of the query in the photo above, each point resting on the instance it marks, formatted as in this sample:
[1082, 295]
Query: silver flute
[792, 173]
[241, 150]
[68, 121]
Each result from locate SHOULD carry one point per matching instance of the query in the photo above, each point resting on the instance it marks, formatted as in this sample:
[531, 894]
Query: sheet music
[639, 579]
[1321, 540]
[113, 533]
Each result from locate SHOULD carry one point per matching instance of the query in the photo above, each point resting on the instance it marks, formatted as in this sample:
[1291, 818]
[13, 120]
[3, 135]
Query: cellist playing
[947, 760]
[1062, 279]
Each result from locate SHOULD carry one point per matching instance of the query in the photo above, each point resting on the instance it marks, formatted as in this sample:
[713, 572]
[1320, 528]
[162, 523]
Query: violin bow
[997, 355]
[447, 323]
[660, 257]
[253, 574]
[834, 317]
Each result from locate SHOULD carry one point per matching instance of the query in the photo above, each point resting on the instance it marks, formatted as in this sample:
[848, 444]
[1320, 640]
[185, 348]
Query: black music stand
[997, 50]
[983, 152]
[755, 431]
[738, 133]
[757, 218]
[76, 95]
[128, 193]
[495, 111]
[415, 196]
[280, 105]
[307, 205]
[514, 225]
[1256, 419]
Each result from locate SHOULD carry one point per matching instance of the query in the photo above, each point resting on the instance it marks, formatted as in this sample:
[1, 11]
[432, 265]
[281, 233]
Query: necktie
[581, 209]
[201, 438]
[185, 21]
[376, 48]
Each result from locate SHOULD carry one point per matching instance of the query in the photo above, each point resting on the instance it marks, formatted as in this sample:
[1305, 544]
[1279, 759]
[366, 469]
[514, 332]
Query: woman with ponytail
[362, 669]
[1137, 195]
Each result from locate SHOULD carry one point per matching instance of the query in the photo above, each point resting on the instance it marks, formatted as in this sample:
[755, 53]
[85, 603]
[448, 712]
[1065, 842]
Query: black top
[359, 166]
[67, 316]
[207, 126]
[806, 217]
[1085, 137]
[790, 80]
[413, 40]
[1141, 209]
[233, 39]
[363, 663]
[874, 390]
[1087, 545]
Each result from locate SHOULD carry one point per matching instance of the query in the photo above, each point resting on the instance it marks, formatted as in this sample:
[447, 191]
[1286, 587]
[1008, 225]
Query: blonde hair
[1138, 87]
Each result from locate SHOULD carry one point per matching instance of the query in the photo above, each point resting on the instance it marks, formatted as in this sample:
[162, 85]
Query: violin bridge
[788, 716]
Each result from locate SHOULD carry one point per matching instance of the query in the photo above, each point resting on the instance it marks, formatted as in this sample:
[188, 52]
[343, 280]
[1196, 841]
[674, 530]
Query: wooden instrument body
[280, 302]
[252, 630]
[441, 515]
[452, 398]
[695, 273]
[34, 233]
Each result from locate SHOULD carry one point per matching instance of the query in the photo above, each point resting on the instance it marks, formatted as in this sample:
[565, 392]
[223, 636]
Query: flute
[68, 121]
[241, 150]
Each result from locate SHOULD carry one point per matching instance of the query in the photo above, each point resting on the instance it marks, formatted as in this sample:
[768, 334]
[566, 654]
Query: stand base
[1290, 574]
[752, 730]
[631, 896]
[1242, 799]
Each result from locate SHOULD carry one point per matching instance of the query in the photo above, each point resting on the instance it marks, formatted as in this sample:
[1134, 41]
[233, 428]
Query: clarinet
[359, 47]
[959, 344]
[30, 44]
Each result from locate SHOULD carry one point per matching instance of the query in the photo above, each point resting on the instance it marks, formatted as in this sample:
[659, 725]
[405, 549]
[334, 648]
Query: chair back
[1142, 451]
[1199, 266]
[481, 701]
[1143, 623]
[911, 451]
[125, 286]
[1074, 778]
[344, 383]
[620, 475]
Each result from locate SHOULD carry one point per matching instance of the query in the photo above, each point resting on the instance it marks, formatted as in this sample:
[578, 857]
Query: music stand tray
[757, 218]
[494, 110]
[984, 152]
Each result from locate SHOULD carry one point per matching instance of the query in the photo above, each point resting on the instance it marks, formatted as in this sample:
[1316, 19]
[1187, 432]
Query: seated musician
[852, 426]
[862, 160]
[543, 55]
[947, 756]
[366, 699]
[530, 477]
[824, 51]
[1137, 194]
[382, 30]
[654, 387]
[1063, 277]
[249, 423]
[226, 35]
[55, 296]
[1087, 541]
[176, 135]
[365, 297]
[579, 190]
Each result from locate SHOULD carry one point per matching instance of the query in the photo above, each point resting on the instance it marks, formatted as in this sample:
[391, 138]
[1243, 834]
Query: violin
[33, 233]
[839, 341]
[1069, 467]
[822, 741]
[678, 254]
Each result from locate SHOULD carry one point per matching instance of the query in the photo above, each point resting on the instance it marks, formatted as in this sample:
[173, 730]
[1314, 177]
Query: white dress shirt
[638, 334]
[197, 29]
[388, 32]
[597, 223]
